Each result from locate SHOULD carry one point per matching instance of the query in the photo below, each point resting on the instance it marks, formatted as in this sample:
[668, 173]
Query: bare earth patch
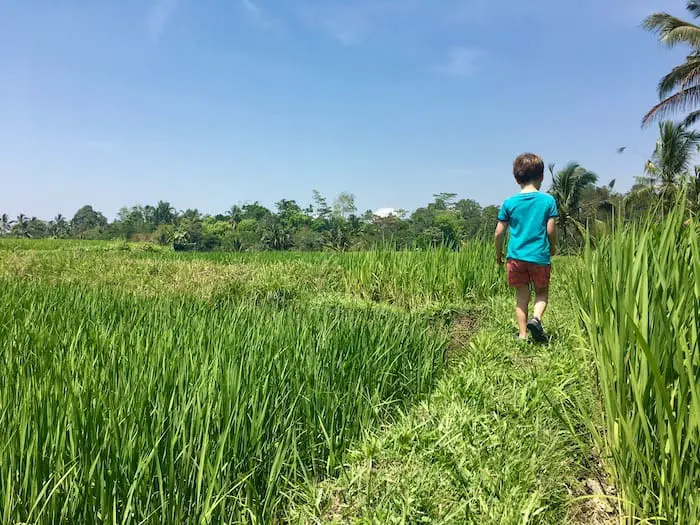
[462, 329]
[594, 501]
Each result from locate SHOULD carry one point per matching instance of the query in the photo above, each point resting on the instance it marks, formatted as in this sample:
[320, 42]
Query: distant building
[383, 213]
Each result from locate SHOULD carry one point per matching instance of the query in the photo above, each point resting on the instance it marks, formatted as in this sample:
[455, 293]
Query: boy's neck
[528, 188]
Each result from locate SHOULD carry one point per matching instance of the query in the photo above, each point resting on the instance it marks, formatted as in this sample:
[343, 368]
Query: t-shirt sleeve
[553, 211]
[504, 213]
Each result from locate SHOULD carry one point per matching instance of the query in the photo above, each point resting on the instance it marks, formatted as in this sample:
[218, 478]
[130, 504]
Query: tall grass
[405, 278]
[172, 410]
[14, 244]
[640, 305]
[417, 277]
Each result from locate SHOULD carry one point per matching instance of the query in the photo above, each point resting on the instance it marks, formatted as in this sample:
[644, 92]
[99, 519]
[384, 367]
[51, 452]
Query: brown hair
[528, 168]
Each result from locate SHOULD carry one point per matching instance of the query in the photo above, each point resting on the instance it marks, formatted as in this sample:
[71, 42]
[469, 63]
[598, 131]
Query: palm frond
[684, 100]
[683, 76]
[580, 228]
[586, 178]
[567, 188]
[691, 119]
[642, 185]
[694, 7]
[673, 30]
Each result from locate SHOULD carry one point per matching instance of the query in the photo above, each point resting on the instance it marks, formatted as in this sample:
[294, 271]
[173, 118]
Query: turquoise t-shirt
[527, 215]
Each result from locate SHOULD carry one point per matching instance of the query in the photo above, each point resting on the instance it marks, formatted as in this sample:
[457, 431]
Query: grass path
[486, 446]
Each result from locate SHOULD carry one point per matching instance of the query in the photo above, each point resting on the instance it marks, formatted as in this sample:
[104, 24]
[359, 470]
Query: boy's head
[528, 168]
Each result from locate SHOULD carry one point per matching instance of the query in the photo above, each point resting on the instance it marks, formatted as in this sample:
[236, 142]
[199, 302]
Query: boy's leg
[540, 276]
[519, 279]
[541, 300]
[522, 301]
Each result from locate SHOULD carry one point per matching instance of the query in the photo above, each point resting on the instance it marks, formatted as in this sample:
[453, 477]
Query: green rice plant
[414, 278]
[126, 409]
[639, 294]
[407, 279]
[79, 245]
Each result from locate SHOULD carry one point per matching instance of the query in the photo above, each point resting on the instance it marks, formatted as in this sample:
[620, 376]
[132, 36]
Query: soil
[462, 329]
[595, 502]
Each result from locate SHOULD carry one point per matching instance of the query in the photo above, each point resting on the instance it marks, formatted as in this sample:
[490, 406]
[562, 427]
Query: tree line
[252, 226]
[584, 206]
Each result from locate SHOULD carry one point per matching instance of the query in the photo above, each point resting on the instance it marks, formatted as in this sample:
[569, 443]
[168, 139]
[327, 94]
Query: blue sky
[208, 103]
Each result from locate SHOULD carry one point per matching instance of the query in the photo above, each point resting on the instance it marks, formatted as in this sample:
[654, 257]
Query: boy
[530, 217]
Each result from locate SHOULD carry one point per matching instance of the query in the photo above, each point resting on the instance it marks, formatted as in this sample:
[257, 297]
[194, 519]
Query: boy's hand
[501, 228]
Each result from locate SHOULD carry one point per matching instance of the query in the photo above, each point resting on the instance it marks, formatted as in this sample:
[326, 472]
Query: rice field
[185, 410]
[146, 386]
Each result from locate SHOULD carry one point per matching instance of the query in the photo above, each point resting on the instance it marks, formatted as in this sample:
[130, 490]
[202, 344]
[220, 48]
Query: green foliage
[447, 221]
[5, 224]
[344, 205]
[672, 158]
[407, 279]
[86, 219]
[679, 90]
[153, 386]
[110, 413]
[418, 277]
[640, 305]
[568, 186]
[165, 234]
[487, 445]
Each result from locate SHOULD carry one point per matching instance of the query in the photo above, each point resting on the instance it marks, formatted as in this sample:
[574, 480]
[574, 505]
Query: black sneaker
[534, 326]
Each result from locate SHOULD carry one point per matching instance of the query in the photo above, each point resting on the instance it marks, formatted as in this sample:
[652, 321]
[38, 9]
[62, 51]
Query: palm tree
[679, 90]
[674, 152]
[672, 158]
[58, 227]
[694, 190]
[163, 213]
[567, 189]
[235, 214]
[21, 227]
[5, 224]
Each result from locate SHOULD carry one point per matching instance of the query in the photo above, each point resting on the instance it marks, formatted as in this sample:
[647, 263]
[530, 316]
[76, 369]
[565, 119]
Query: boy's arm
[552, 234]
[499, 236]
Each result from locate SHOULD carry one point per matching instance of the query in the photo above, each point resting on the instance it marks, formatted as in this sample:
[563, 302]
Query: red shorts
[522, 273]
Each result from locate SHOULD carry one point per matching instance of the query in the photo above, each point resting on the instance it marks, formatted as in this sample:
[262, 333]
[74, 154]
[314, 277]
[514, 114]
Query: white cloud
[462, 62]
[161, 13]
